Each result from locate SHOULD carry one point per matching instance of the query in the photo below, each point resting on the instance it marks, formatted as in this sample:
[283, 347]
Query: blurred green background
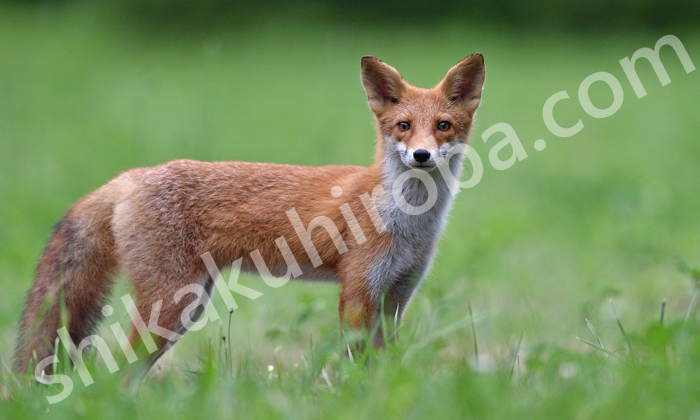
[89, 89]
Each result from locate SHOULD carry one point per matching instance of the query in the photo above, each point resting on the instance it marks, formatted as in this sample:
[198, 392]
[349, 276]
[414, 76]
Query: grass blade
[476, 346]
[11, 374]
[690, 307]
[608, 353]
[624, 333]
[595, 334]
[230, 356]
[516, 356]
[455, 326]
[663, 312]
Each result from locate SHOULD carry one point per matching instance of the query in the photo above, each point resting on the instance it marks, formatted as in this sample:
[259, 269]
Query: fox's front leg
[378, 316]
[392, 304]
[374, 295]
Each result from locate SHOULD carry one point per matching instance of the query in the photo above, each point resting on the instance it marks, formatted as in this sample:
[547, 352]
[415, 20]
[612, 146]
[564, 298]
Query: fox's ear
[383, 84]
[463, 83]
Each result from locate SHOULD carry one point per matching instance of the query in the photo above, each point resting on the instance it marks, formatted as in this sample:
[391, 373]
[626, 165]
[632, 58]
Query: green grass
[537, 250]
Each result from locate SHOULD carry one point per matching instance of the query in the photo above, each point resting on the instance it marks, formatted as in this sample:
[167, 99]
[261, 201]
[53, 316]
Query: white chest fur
[414, 226]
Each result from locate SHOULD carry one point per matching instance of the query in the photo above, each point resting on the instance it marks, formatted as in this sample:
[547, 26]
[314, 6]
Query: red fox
[380, 224]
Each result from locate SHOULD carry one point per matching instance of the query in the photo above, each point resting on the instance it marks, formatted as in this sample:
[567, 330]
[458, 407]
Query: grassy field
[539, 253]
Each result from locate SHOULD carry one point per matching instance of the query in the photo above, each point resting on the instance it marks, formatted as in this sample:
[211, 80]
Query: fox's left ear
[463, 83]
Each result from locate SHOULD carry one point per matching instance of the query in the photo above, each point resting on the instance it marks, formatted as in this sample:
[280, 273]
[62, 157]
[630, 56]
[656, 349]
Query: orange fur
[157, 222]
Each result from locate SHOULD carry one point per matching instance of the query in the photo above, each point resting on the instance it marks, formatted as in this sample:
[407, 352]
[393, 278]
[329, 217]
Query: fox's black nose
[421, 155]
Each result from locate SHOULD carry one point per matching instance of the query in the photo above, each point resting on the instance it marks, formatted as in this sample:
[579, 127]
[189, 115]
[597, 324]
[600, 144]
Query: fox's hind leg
[166, 311]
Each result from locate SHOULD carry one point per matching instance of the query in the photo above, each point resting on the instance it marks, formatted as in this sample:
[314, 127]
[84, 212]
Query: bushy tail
[75, 269]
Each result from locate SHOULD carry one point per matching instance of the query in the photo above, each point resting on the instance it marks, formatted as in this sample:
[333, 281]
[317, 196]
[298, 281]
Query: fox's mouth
[424, 166]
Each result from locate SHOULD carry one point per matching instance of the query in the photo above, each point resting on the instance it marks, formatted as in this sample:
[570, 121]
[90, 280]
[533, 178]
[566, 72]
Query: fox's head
[421, 125]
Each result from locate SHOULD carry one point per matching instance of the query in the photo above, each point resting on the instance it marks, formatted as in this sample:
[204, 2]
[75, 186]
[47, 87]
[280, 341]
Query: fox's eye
[403, 126]
[444, 126]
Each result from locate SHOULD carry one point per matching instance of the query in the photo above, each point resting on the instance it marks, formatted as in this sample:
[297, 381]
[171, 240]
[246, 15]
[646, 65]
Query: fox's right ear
[383, 84]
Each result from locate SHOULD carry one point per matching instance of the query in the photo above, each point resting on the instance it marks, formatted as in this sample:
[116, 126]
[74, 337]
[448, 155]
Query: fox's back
[182, 209]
